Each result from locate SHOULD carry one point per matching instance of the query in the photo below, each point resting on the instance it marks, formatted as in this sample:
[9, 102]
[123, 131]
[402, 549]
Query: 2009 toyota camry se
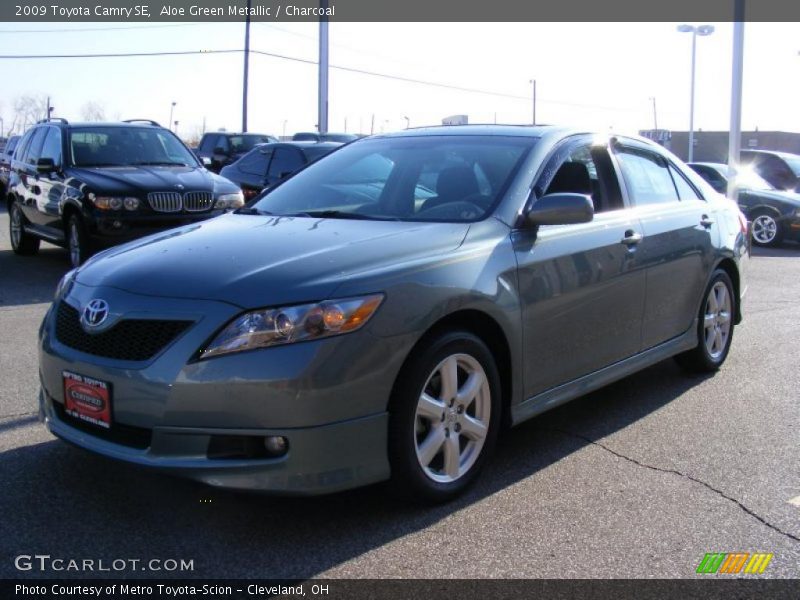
[387, 311]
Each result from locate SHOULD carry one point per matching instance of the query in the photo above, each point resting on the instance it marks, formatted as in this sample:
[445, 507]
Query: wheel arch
[491, 333]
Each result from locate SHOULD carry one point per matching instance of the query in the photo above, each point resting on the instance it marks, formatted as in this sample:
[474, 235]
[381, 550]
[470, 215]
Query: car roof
[777, 153]
[536, 131]
[300, 144]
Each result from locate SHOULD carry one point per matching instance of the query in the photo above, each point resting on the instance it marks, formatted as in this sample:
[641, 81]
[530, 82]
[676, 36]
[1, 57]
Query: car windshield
[245, 143]
[746, 177]
[794, 164]
[127, 146]
[426, 178]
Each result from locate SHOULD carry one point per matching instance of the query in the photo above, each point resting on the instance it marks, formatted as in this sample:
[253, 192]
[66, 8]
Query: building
[712, 146]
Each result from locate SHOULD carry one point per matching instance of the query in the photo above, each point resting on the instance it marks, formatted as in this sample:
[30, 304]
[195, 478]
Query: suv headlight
[115, 202]
[225, 201]
[287, 325]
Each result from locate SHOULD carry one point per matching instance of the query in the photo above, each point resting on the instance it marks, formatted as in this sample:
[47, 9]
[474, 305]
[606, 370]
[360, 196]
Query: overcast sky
[594, 75]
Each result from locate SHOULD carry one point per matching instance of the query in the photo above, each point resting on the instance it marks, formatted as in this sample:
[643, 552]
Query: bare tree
[28, 109]
[93, 111]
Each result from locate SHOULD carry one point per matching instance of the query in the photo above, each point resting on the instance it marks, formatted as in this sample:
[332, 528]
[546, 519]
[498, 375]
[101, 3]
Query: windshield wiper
[159, 163]
[341, 214]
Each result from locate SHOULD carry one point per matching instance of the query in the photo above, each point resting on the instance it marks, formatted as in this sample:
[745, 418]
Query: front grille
[167, 202]
[130, 339]
[118, 433]
[198, 201]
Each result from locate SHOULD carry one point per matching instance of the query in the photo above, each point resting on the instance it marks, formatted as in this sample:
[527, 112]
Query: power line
[312, 62]
[85, 29]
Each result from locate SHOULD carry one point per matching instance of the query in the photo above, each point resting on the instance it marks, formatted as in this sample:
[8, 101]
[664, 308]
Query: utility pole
[735, 134]
[533, 81]
[372, 127]
[322, 108]
[655, 116]
[246, 67]
[171, 112]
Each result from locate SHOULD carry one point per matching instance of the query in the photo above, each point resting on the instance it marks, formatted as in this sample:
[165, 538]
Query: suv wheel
[77, 241]
[766, 230]
[444, 417]
[715, 329]
[21, 242]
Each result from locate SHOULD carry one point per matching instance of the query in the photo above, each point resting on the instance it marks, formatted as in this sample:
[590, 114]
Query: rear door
[29, 188]
[582, 286]
[50, 186]
[679, 239]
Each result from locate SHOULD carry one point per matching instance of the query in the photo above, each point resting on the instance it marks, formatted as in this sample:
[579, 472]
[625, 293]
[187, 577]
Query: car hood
[253, 261]
[143, 179]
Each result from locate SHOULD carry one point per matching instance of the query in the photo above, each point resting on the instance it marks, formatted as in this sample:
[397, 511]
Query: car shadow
[68, 502]
[786, 249]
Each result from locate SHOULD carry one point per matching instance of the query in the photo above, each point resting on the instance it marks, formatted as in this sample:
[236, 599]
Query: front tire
[766, 229]
[444, 417]
[21, 242]
[77, 241]
[715, 327]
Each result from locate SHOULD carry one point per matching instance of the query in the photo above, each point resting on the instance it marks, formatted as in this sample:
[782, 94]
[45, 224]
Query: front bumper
[319, 460]
[109, 228]
[328, 398]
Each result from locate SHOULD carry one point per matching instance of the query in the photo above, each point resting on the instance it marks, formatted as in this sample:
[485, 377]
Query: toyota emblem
[95, 313]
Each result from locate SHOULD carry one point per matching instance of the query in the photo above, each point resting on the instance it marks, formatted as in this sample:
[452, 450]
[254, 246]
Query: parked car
[775, 214]
[321, 338]
[90, 185]
[780, 169]
[220, 148]
[267, 164]
[5, 162]
[311, 136]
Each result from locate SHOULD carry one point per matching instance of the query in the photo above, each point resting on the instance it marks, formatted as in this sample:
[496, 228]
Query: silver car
[385, 313]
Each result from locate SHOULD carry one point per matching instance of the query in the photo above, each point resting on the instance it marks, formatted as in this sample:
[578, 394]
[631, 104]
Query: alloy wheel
[16, 226]
[765, 229]
[717, 320]
[452, 418]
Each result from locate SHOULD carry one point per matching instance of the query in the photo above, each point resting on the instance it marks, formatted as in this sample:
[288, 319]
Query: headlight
[290, 324]
[114, 202]
[234, 200]
[65, 285]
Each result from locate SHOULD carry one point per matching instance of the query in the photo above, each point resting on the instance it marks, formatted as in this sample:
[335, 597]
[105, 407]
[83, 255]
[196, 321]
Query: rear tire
[21, 242]
[715, 327]
[78, 243]
[766, 229]
[445, 413]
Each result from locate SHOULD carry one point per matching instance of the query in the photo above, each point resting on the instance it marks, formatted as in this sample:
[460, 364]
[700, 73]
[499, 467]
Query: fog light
[276, 444]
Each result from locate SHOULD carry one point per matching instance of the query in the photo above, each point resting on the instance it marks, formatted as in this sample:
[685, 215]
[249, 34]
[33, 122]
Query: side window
[208, 144]
[714, 179]
[685, 190]
[284, 161]
[255, 162]
[52, 146]
[19, 151]
[588, 170]
[647, 177]
[35, 147]
[222, 142]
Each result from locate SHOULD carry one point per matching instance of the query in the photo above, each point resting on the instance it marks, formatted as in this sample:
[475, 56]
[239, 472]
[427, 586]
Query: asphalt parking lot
[640, 479]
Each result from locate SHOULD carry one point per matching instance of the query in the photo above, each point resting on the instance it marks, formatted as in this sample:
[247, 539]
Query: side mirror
[561, 209]
[45, 165]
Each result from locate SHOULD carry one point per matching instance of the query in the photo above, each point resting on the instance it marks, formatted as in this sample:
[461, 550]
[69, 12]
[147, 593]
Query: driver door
[582, 286]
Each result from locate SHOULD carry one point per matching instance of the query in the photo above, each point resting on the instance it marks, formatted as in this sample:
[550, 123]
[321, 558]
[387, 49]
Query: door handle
[631, 238]
[706, 222]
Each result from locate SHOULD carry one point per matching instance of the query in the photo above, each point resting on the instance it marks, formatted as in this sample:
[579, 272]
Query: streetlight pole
[322, 108]
[171, 111]
[655, 117]
[246, 77]
[702, 30]
[408, 122]
[735, 133]
[533, 82]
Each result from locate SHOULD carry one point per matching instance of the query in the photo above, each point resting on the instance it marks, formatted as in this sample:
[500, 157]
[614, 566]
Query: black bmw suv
[91, 185]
